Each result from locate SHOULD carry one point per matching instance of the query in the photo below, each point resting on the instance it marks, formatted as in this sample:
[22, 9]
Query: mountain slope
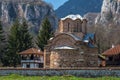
[34, 11]
[79, 7]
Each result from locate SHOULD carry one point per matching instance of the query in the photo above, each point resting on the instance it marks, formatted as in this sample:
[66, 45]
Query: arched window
[77, 27]
[68, 26]
[80, 28]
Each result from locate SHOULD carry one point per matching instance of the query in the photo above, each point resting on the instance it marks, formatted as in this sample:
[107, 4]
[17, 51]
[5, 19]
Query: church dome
[73, 17]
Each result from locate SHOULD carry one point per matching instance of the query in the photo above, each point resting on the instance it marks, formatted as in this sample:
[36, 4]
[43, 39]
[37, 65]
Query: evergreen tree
[12, 57]
[25, 39]
[18, 40]
[2, 37]
[2, 42]
[45, 33]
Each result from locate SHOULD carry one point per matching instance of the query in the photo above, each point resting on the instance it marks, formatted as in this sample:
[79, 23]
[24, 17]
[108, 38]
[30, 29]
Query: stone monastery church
[72, 46]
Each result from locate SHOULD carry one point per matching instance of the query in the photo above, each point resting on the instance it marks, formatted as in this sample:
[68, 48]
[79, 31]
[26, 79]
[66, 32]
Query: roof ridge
[33, 50]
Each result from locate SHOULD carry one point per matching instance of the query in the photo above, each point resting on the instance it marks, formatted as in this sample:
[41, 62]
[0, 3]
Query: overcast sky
[56, 3]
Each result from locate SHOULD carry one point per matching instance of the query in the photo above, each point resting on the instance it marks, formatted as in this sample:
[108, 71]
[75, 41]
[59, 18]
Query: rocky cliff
[34, 11]
[91, 17]
[110, 13]
[107, 25]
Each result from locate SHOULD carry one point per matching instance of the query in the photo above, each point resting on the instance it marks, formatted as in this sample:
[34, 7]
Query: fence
[81, 72]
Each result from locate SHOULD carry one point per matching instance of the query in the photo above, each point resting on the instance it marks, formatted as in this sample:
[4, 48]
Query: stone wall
[94, 72]
[91, 57]
[74, 58]
[66, 59]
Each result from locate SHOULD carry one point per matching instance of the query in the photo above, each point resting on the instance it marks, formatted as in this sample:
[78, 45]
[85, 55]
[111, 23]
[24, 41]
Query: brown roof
[31, 51]
[112, 51]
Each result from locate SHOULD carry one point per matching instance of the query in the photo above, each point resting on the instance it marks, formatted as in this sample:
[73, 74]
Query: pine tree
[25, 38]
[2, 37]
[18, 40]
[2, 42]
[45, 33]
[12, 57]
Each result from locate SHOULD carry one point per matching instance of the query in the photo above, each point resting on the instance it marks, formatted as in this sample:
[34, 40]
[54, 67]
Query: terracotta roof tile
[112, 51]
[31, 51]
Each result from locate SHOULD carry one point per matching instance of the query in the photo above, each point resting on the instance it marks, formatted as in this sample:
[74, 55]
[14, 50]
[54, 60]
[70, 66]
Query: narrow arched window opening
[68, 26]
[77, 27]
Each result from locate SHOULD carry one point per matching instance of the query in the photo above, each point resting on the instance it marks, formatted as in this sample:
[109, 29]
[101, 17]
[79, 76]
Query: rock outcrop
[91, 17]
[34, 11]
[110, 13]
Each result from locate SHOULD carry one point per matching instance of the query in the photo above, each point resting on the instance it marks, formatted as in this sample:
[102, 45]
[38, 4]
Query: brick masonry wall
[90, 72]
[91, 57]
[66, 59]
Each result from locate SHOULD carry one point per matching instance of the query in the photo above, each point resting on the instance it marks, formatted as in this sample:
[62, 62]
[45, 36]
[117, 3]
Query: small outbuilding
[32, 58]
[111, 56]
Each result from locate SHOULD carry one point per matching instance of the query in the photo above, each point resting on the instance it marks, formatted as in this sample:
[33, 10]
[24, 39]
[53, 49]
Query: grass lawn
[18, 77]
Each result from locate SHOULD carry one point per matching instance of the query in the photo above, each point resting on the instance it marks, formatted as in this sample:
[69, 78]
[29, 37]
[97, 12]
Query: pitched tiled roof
[32, 51]
[75, 37]
[112, 51]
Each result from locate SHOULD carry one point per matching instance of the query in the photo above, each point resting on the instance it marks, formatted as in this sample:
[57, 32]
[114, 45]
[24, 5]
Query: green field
[18, 77]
